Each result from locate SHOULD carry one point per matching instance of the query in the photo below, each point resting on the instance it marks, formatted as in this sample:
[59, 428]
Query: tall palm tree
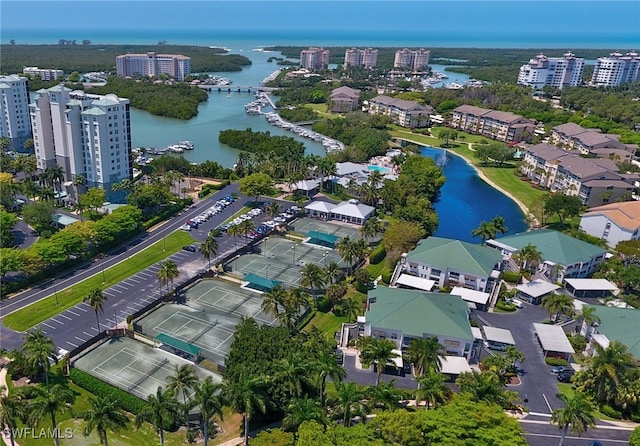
[104, 414]
[325, 366]
[168, 272]
[351, 309]
[528, 257]
[209, 248]
[555, 304]
[312, 277]
[161, 408]
[247, 227]
[273, 209]
[292, 371]
[297, 297]
[379, 352]
[577, 415]
[39, 349]
[345, 248]
[273, 299]
[426, 354]
[485, 231]
[301, 410]
[234, 230]
[246, 396]
[182, 381]
[49, 402]
[431, 389]
[500, 224]
[332, 273]
[12, 409]
[371, 228]
[95, 300]
[347, 402]
[207, 396]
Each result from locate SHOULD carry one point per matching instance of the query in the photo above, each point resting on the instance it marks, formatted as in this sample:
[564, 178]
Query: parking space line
[72, 344]
[73, 312]
[56, 320]
[120, 286]
[81, 308]
[80, 339]
[113, 290]
[47, 325]
[547, 401]
[134, 280]
[88, 334]
[64, 316]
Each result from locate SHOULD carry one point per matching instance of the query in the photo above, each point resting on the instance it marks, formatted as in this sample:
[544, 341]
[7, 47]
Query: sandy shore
[530, 217]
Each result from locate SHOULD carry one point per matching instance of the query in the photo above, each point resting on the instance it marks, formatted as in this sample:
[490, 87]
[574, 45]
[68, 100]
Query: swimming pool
[376, 168]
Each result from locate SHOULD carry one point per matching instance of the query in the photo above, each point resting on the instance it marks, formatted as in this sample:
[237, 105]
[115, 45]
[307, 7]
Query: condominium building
[314, 58]
[14, 111]
[403, 113]
[592, 142]
[502, 126]
[46, 74]
[367, 58]
[616, 69]
[151, 64]
[558, 72]
[85, 134]
[416, 60]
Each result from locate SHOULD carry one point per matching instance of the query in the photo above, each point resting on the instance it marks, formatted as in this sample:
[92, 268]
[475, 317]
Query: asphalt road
[540, 432]
[75, 325]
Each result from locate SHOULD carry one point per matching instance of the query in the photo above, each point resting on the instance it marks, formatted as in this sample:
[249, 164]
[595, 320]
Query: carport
[478, 298]
[419, 283]
[535, 290]
[455, 365]
[260, 283]
[554, 341]
[590, 287]
[322, 239]
[494, 334]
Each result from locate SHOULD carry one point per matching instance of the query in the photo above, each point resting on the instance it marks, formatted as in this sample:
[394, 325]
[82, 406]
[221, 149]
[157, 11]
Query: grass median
[42, 310]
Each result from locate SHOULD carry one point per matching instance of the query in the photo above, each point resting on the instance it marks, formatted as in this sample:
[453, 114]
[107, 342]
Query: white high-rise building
[46, 74]
[151, 64]
[416, 60]
[85, 134]
[14, 110]
[367, 58]
[616, 69]
[558, 72]
[314, 58]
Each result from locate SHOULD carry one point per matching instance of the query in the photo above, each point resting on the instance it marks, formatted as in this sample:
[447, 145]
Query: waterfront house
[613, 222]
[502, 126]
[403, 113]
[562, 256]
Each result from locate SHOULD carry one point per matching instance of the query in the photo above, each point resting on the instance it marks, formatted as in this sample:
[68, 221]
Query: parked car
[185, 227]
[498, 346]
[189, 248]
[565, 377]
[562, 369]
[339, 357]
[515, 302]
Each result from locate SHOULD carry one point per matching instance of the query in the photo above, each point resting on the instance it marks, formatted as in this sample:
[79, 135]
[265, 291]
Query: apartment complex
[415, 60]
[46, 74]
[591, 142]
[616, 69]
[366, 58]
[613, 222]
[14, 111]
[403, 113]
[85, 134]
[558, 72]
[499, 125]
[344, 99]
[314, 58]
[595, 181]
[151, 64]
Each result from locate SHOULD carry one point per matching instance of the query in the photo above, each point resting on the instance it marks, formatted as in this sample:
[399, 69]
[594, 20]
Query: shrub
[386, 276]
[505, 306]
[323, 304]
[635, 437]
[610, 411]
[579, 343]
[511, 277]
[555, 361]
[377, 255]
[128, 402]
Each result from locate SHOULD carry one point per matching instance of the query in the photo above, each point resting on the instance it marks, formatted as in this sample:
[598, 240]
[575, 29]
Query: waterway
[466, 200]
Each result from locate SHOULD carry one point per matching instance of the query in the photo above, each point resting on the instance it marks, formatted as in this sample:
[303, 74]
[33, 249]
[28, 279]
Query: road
[540, 432]
[75, 325]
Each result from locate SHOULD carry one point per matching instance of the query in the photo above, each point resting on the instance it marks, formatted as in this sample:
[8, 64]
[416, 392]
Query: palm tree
[103, 414]
[234, 230]
[209, 248]
[485, 231]
[527, 257]
[207, 396]
[556, 304]
[371, 228]
[512, 355]
[379, 352]
[500, 224]
[385, 396]
[293, 372]
[426, 354]
[161, 408]
[431, 389]
[347, 401]
[95, 300]
[246, 227]
[39, 349]
[345, 248]
[246, 396]
[325, 365]
[12, 409]
[272, 299]
[485, 386]
[49, 402]
[332, 273]
[351, 309]
[297, 297]
[589, 318]
[577, 415]
[183, 380]
[301, 410]
[312, 277]
[168, 272]
[273, 209]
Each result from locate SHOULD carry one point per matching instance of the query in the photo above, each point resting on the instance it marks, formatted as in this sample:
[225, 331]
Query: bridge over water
[236, 88]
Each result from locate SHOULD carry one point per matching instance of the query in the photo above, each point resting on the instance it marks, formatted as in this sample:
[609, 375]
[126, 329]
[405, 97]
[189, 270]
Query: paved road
[540, 432]
[73, 326]
[24, 236]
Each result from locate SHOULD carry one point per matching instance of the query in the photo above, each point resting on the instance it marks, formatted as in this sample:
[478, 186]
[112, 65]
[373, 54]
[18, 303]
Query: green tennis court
[306, 225]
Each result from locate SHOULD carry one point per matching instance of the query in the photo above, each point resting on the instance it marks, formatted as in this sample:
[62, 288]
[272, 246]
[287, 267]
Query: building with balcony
[46, 74]
[591, 142]
[365, 58]
[501, 126]
[616, 69]
[344, 99]
[14, 110]
[151, 64]
[314, 59]
[613, 222]
[558, 72]
[404, 113]
[414, 60]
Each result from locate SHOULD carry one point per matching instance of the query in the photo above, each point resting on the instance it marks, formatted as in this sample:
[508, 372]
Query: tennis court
[305, 225]
[282, 259]
[134, 367]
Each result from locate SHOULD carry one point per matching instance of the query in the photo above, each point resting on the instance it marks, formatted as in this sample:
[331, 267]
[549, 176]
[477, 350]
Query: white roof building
[418, 283]
[501, 335]
[553, 340]
[351, 211]
[535, 290]
[479, 298]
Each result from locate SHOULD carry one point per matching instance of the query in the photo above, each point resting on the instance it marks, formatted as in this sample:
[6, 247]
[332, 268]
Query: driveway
[24, 235]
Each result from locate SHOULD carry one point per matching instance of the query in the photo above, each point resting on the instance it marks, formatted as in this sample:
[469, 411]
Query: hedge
[505, 306]
[377, 255]
[386, 276]
[511, 277]
[611, 412]
[127, 401]
[555, 361]
[209, 188]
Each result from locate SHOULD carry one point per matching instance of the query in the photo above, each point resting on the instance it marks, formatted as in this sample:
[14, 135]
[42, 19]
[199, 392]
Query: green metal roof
[555, 246]
[621, 324]
[323, 236]
[261, 282]
[444, 253]
[417, 313]
[178, 344]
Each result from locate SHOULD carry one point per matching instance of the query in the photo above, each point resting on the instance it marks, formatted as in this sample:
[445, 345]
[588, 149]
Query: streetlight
[55, 290]
[294, 253]
[267, 272]
[164, 243]
[324, 259]
[266, 252]
[102, 267]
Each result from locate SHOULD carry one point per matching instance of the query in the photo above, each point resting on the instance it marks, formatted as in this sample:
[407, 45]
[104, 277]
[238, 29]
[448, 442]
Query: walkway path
[3, 382]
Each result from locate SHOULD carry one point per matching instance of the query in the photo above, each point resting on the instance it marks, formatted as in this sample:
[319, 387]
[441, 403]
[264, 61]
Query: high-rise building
[151, 64]
[616, 69]
[558, 72]
[85, 134]
[314, 58]
[14, 110]
[416, 60]
[367, 58]
[46, 74]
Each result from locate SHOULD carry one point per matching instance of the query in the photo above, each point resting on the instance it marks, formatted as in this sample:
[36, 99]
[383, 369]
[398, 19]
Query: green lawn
[377, 270]
[42, 310]
[321, 109]
[568, 390]
[327, 323]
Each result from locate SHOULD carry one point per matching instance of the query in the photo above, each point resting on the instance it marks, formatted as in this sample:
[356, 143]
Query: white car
[185, 228]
